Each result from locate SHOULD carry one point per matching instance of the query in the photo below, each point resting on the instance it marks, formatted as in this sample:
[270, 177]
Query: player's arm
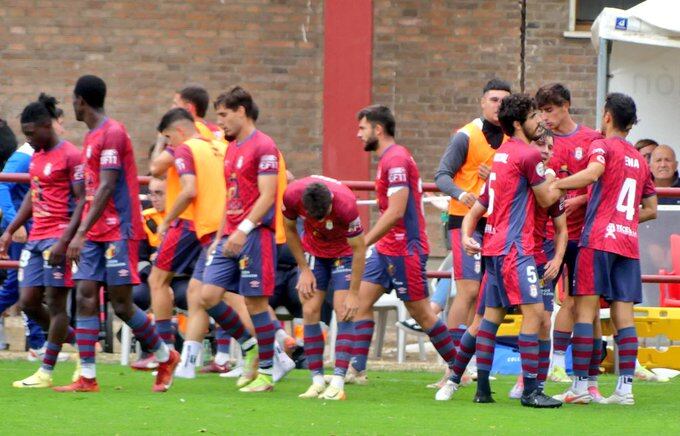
[396, 207]
[186, 195]
[469, 225]
[266, 184]
[306, 284]
[23, 215]
[107, 185]
[161, 163]
[453, 159]
[552, 268]
[583, 178]
[648, 209]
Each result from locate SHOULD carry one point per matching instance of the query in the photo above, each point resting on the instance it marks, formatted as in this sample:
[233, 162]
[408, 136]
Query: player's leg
[313, 337]
[625, 293]
[374, 282]
[197, 325]
[467, 272]
[564, 319]
[595, 360]
[162, 303]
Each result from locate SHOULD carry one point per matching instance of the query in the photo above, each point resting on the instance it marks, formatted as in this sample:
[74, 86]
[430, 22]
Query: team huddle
[530, 191]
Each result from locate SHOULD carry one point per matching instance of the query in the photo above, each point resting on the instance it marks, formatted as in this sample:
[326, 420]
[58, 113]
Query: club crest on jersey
[578, 153]
[329, 225]
[540, 169]
[48, 169]
[110, 252]
[239, 162]
[88, 151]
[243, 263]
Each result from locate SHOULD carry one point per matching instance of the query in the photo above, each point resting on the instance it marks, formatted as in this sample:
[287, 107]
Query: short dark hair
[42, 110]
[196, 95]
[514, 107]
[554, 93]
[172, 116]
[235, 97]
[622, 109]
[642, 143]
[92, 89]
[382, 115]
[496, 85]
[316, 199]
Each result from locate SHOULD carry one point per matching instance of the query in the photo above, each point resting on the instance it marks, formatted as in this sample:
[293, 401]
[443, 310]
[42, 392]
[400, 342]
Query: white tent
[639, 55]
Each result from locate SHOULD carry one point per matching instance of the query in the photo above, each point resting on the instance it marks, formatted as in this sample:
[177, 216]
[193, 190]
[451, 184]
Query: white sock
[592, 383]
[46, 371]
[579, 385]
[88, 370]
[317, 379]
[221, 358]
[559, 360]
[163, 353]
[624, 385]
[193, 352]
[338, 382]
[280, 335]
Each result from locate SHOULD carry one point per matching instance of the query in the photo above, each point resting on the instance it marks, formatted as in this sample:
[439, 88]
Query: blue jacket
[11, 193]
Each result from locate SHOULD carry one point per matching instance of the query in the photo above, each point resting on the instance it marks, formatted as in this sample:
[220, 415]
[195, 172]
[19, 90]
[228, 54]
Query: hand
[484, 171]
[234, 244]
[20, 236]
[5, 240]
[574, 203]
[162, 229]
[75, 247]
[471, 246]
[306, 285]
[468, 199]
[350, 307]
[552, 268]
[57, 253]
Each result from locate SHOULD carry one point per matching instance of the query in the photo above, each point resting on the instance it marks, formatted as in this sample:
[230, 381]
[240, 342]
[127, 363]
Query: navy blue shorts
[331, 273]
[179, 249]
[609, 275]
[252, 273]
[35, 271]
[512, 280]
[465, 267]
[113, 262]
[199, 268]
[547, 289]
[405, 274]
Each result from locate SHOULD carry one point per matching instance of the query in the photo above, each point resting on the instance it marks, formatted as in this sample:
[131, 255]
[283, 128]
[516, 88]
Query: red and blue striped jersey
[509, 200]
[52, 175]
[611, 222]
[108, 148]
[397, 170]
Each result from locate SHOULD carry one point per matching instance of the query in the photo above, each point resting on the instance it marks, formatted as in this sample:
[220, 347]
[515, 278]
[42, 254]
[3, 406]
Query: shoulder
[588, 133]
[25, 149]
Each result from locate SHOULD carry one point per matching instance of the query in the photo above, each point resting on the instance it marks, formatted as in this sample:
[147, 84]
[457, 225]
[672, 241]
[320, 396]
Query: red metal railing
[366, 186]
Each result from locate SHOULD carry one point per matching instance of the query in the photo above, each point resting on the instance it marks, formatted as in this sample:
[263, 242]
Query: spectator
[664, 168]
[645, 147]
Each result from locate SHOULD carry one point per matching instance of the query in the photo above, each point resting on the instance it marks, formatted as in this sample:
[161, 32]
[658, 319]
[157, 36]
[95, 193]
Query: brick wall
[145, 50]
[430, 62]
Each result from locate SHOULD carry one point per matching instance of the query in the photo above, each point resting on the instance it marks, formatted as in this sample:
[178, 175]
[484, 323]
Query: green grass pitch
[393, 403]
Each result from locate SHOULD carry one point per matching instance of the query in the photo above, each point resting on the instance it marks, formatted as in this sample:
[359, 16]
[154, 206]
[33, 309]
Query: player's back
[398, 169]
[108, 147]
[326, 237]
[508, 198]
[611, 222]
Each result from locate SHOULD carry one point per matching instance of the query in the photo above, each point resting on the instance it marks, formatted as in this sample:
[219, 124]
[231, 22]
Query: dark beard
[371, 144]
[536, 135]
[230, 138]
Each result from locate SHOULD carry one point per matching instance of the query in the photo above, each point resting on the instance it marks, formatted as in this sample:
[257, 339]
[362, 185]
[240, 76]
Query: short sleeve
[396, 170]
[184, 160]
[288, 204]
[532, 167]
[557, 209]
[351, 216]
[76, 167]
[112, 149]
[268, 159]
[597, 152]
[483, 198]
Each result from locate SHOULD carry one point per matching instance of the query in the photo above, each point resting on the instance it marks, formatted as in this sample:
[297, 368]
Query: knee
[311, 312]
[208, 298]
